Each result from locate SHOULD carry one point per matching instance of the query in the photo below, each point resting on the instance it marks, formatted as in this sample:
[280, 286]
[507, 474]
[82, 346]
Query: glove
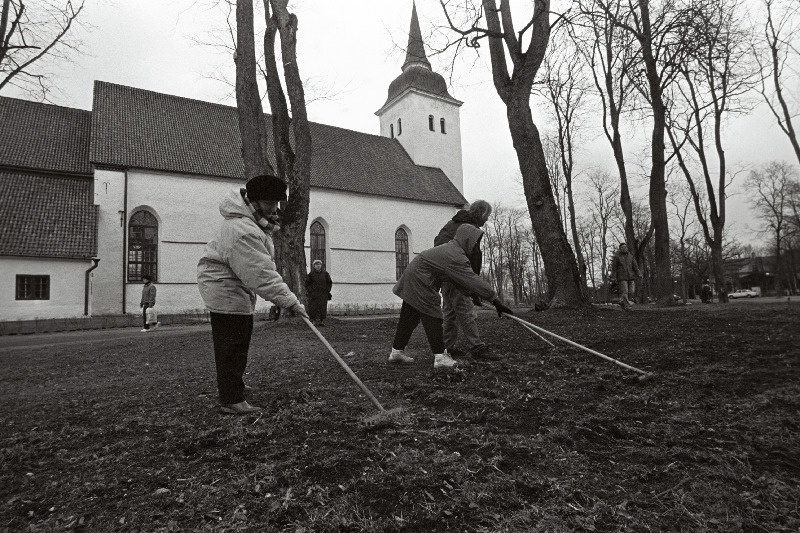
[476, 301]
[502, 308]
[299, 310]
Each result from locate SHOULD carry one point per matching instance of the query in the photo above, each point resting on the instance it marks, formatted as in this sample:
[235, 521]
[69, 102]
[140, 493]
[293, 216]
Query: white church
[91, 200]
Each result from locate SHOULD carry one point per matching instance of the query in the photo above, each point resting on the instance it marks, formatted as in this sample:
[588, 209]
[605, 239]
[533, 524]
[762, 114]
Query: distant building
[91, 200]
[761, 272]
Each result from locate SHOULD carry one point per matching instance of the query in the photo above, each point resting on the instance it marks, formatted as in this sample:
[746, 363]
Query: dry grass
[117, 435]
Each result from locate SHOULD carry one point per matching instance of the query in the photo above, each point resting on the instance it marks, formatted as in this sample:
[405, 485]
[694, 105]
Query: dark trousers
[317, 308]
[144, 316]
[409, 320]
[231, 334]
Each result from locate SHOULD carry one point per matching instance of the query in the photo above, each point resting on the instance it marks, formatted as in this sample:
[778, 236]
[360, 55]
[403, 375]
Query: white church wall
[360, 233]
[109, 196]
[360, 240]
[187, 210]
[425, 147]
[67, 285]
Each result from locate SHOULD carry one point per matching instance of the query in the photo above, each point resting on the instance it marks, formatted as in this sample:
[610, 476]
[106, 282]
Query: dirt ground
[122, 434]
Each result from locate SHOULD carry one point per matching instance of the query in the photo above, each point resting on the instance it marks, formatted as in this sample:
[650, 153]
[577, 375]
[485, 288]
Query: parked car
[742, 293]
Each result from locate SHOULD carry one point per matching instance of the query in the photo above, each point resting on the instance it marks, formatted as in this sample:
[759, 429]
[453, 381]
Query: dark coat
[448, 233]
[148, 295]
[423, 277]
[318, 285]
[624, 267]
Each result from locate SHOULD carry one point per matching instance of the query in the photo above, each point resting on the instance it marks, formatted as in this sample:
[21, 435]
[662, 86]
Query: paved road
[10, 343]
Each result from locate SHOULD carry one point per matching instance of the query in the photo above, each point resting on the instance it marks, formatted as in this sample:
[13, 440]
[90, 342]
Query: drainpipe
[86, 286]
[124, 239]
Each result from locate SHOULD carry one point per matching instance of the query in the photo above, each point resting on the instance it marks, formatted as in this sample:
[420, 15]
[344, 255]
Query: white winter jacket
[237, 264]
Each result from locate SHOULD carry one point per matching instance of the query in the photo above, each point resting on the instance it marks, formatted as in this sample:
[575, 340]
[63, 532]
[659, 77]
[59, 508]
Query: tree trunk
[294, 164]
[658, 189]
[575, 239]
[252, 127]
[563, 280]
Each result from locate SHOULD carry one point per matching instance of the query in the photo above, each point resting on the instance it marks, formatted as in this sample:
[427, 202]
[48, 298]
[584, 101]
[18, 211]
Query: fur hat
[316, 261]
[266, 188]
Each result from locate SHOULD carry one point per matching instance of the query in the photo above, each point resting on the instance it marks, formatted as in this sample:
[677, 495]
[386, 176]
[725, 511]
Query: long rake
[384, 417]
[645, 376]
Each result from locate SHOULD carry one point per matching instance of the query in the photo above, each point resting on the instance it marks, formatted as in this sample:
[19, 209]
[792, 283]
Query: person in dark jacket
[148, 300]
[318, 286]
[705, 292]
[457, 309]
[625, 271]
[419, 288]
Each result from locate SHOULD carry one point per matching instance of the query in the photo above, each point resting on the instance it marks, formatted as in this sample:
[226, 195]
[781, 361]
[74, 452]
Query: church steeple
[415, 51]
[420, 114]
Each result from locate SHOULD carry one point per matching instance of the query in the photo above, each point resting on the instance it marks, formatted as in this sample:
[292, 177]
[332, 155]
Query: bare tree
[715, 74]
[778, 56]
[663, 31]
[293, 160]
[681, 201]
[514, 88]
[32, 32]
[772, 187]
[610, 53]
[603, 211]
[562, 84]
[552, 158]
[252, 127]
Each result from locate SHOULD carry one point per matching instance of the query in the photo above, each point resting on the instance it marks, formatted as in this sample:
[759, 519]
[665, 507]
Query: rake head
[384, 418]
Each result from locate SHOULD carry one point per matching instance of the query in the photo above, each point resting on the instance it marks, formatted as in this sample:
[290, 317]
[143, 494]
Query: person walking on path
[318, 286]
[238, 265]
[458, 309]
[148, 302]
[419, 289]
[626, 271]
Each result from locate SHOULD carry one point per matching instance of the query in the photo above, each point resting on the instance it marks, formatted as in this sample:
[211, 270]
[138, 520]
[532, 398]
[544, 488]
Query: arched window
[391, 130]
[142, 246]
[441, 125]
[399, 126]
[400, 251]
[317, 243]
[430, 123]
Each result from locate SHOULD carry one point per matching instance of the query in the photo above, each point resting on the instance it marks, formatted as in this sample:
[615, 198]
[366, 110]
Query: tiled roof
[44, 137]
[47, 216]
[143, 129]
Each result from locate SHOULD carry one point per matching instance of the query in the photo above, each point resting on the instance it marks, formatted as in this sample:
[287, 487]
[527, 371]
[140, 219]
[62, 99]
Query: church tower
[421, 114]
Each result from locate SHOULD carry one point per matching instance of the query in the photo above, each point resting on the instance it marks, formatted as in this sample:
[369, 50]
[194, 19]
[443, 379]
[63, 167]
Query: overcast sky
[351, 48]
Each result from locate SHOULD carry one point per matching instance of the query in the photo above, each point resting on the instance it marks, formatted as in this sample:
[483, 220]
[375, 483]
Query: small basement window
[33, 287]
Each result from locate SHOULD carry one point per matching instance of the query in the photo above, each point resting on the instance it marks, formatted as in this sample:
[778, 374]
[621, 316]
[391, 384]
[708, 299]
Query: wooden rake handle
[338, 358]
[572, 343]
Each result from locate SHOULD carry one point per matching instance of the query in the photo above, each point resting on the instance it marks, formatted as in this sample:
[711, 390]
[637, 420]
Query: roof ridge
[45, 104]
[139, 89]
[206, 102]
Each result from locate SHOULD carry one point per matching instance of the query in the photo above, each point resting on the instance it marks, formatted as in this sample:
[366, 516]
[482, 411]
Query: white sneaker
[143, 330]
[443, 360]
[399, 356]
